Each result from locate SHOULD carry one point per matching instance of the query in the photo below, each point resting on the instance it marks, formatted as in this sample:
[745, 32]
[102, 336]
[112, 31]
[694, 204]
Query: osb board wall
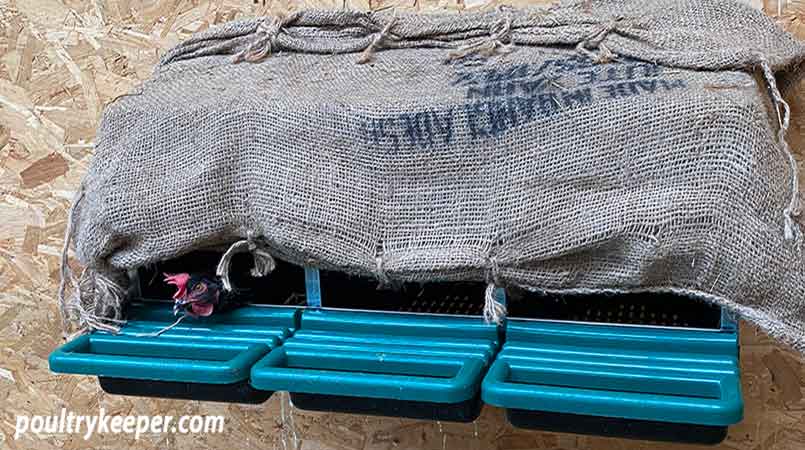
[61, 61]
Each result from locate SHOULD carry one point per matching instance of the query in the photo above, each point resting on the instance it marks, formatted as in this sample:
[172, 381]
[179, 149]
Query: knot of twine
[265, 39]
[783, 110]
[382, 277]
[596, 40]
[494, 311]
[95, 291]
[263, 261]
[368, 53]
[498, 41]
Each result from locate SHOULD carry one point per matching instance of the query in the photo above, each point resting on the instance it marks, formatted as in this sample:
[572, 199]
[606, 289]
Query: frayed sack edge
[95, 299]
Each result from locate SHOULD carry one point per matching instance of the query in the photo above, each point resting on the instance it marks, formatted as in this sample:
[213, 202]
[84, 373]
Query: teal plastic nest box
[417, 350]
[201, 359]
[650, 366]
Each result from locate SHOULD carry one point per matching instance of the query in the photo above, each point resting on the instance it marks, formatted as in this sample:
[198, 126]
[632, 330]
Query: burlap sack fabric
[612, 145]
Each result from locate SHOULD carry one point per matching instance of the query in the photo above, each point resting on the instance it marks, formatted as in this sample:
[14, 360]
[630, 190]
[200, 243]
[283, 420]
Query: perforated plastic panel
[657, 309]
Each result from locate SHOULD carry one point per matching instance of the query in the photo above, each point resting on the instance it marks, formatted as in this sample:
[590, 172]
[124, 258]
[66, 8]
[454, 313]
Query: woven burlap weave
[612, 145]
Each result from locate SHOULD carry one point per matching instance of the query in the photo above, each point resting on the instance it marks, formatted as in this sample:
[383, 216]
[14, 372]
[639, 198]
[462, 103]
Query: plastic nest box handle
[714, 402]
[367, 374]
[158, 358]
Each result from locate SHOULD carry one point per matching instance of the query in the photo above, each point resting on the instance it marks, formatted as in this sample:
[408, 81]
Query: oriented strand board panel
[61, 61]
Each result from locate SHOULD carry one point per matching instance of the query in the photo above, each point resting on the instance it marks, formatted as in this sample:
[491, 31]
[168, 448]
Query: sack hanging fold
[592, 146]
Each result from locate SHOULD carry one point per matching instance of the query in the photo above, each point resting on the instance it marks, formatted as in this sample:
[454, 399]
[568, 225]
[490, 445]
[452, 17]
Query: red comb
[180, 281]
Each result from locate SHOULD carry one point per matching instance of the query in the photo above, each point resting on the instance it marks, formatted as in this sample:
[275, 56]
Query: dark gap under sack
[594, 146]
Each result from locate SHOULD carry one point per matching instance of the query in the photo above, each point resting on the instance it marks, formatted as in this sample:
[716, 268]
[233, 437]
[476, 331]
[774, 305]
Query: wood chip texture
[61, 62]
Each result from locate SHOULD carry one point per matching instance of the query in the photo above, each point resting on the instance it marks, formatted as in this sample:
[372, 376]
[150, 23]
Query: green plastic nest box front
[420, 350]
[651, 366]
